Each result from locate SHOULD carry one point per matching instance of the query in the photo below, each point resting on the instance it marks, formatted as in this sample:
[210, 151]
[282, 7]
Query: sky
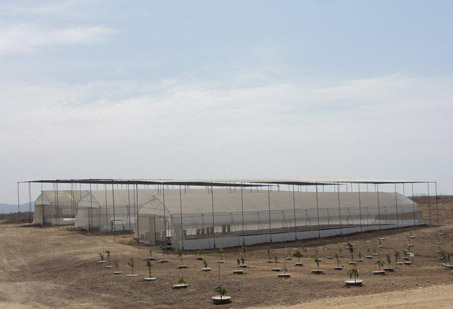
[225, 89]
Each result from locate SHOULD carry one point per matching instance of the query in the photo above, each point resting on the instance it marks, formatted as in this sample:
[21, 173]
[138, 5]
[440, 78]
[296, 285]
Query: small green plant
[221, 252]
[117, 266]
[354, 272]
[284, 269]
[396, 254]
[205, 264]
[199, 253]
[360, 255]
[131, 264]
[275, 260]
[220, 290]
[316, 259]
[404, 252]
[163, 250]
[337, 257]
[379, 263]
[150, 252]
[351, 251]
[244, 252]
[298, 255]
[101, 256]
[448, 258]
[148, 263]
[182, 281]
[389, 259]
[180, 253]
[108, 255]
[238, 261]
[268, 253]
[243, 260]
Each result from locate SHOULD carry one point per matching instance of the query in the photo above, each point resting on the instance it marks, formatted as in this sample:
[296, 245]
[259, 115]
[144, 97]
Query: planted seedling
[151, 257]
[380, 264]
[242, 264]
[380, 244]
[163, 250]
[108, 259]
[205, 266]
[221, 292]
[397, 256]
[337, 258]
[298, 254]
[131, 265]
[368, 254]
[238, 271]
[351, 252]
[182, 284]
[199, 257]
[180, 253]
[374, 252]
[221, 252]
[275, 268]
[117, 269]
[317, 261]
[268, 254]
[389, 261]
[150, 277]
[353, 273]
[288, 254]
[359, 257]
[410, 235]
[101, 256]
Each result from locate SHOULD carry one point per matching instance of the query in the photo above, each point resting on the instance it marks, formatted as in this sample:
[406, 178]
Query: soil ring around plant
[117, 272]
[449, 266]
[180, 286]
[101, 262]
[206, 269]
[338, 268]
[269, 261]
[220, 261]
[410, 245]
[289, 259]
[299, 264]
[151, 258]
[132, 275]
[352, 263]
[375, 254]
[243, 266]
[275, 269]
[330, 257]
[108, 266]
[199, 258]
[284, 275]
[182, 266]
[238, 271]
[391, 270]
[150, 279]
[359, 260]
[411, 236]
[353, 282]
[163, 261]
[382, 238]
[317, 272]
[221, 300]
[369, 257]
[408, 263]
[378, 272]
[399, 263]
[405, 258]
[441, 234]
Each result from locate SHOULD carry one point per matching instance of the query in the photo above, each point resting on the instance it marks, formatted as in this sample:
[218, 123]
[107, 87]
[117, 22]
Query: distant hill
[8, 208]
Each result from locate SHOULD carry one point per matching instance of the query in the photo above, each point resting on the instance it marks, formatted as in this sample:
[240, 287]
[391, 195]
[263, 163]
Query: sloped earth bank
[57, 267]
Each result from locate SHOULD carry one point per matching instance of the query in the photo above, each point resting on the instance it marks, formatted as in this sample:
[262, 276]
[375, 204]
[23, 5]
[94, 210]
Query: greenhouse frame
[208, 214]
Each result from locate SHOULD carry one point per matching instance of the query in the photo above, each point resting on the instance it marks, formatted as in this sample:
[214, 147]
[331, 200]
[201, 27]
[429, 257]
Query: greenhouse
[200, 214]
[201, 219]
[57, 207]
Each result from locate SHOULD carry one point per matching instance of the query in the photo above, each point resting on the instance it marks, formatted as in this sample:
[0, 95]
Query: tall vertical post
[269, 211]
[18, 202]
[113, 204]
[360, 207]
[379, 206]
[42, 205]
[29, 202]
[437, 203]
[294, 208]
[57, 206]
[90, 212]
[242, 214]
[165, 216]
[129, 208]
[106, 226]
[317, 210]
[429, 204]
[213, 215]
[396, 205]
[413, 203]
[339, 209]
[136, 215]
[180, 213]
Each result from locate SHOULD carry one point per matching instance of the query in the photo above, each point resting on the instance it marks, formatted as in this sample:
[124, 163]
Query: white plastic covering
[56, 209]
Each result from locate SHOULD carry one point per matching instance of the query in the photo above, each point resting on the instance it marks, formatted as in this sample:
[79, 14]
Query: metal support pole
[429, 204]
[242, 213]
[136, 215]
[42, 205]
[29, 202]
[18, 201]
[317, 210]
[165, 218]
[294, 208]
[129, 208]
[57, 206]
[360, 208]
[113, 204]
[339, 210]
[269, 211]
[90, 212]
[180, 213]
[396, 205]
[213, 215]
[106, 226]
[413, 203]
[379, 206]
[437, 203]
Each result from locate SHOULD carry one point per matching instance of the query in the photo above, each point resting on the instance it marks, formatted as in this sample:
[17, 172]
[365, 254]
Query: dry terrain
[58, 267]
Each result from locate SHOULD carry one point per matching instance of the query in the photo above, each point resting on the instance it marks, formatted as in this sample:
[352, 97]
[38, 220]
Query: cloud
[25, 38]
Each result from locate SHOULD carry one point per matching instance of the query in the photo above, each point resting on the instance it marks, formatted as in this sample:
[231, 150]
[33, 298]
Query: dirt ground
[58, 267]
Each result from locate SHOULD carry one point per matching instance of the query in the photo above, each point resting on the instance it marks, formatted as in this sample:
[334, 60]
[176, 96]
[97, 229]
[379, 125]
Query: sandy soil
[57, 267]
